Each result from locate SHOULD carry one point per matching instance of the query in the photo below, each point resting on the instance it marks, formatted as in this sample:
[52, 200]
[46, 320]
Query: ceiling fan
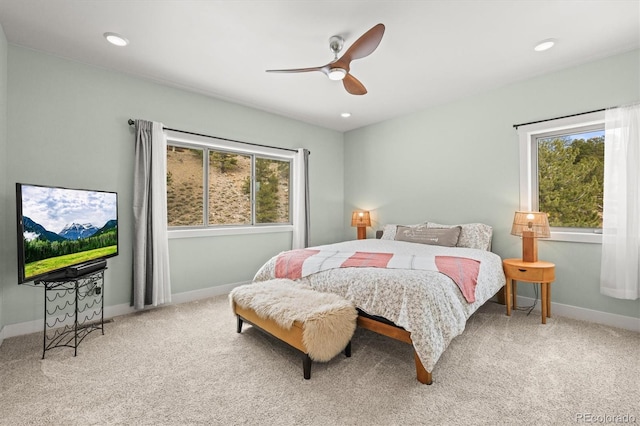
[338, 69]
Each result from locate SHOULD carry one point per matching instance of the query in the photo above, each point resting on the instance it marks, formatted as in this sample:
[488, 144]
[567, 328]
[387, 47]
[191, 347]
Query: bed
[420, 305]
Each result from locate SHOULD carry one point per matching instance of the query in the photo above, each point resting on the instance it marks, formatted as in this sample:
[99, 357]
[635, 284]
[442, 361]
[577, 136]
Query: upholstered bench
[320, 325]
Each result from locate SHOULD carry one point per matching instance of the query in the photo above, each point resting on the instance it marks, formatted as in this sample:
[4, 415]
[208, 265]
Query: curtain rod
[132, 122]
[558, 118]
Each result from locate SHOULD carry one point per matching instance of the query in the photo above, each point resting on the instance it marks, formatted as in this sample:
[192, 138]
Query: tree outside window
[570, 179]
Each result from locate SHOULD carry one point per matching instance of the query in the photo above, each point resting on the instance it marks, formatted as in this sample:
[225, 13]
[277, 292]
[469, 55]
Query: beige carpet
[185, 364]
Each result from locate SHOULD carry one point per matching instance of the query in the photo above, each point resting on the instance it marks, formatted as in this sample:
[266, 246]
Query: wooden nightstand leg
[548, 300]
[507, 295]
[543, 286]
[514, 292]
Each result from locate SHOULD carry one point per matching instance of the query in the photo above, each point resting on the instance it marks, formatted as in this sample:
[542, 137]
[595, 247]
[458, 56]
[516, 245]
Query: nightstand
[530, 272]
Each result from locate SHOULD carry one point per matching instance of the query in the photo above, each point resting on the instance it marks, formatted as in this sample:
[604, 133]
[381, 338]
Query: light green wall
[459, 163]
[4, 188]
[67, 126]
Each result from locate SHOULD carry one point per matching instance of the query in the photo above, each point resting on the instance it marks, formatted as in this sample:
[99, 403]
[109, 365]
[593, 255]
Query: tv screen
[59, 228]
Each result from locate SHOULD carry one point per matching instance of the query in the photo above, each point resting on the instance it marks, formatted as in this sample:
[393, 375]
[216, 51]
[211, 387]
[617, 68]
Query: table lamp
[530, 226]
[361, 219]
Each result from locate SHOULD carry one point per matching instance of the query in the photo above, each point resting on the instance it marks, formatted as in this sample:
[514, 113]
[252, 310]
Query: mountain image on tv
[65, 227]
[76, 231]
[73, 231]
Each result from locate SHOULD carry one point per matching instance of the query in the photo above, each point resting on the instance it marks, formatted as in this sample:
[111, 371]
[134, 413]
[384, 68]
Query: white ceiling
[432, 52]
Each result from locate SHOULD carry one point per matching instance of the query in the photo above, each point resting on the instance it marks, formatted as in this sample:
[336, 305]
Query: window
[561, 173]
[214, 184]
[184, 186]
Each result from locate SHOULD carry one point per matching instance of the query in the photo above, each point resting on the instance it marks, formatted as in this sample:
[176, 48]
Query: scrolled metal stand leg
[75, 324]
[102, 302]
[44, 337]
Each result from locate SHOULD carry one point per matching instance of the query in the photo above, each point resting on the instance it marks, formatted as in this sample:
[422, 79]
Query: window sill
[238, 230]
[576, 237]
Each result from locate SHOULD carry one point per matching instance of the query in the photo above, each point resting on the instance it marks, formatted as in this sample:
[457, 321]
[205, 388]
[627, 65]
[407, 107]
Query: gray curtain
[301, 221]
[151, 283]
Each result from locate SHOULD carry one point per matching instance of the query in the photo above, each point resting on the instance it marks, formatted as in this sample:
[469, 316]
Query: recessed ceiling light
[116, 39]
[545, 45]
[345, 115]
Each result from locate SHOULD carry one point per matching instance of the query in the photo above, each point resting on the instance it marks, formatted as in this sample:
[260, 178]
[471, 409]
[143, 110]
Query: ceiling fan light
[337, 74]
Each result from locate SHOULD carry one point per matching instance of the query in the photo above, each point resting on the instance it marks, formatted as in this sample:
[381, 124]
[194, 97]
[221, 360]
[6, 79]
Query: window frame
[188, 140]
[528, 136]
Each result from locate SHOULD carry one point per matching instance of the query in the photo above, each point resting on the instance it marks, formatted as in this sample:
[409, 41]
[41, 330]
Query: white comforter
[426, 303]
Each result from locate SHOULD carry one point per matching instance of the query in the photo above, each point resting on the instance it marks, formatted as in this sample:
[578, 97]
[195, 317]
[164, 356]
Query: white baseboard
[36, 326]
[21, 328]
[605, 318]
[584, 314]
[189, 296]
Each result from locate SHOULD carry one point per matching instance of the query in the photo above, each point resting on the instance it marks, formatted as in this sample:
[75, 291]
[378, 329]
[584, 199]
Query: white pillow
[473, 235]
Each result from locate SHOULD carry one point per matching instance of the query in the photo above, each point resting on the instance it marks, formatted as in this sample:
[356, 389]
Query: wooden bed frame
[293, 337]
[387, 328]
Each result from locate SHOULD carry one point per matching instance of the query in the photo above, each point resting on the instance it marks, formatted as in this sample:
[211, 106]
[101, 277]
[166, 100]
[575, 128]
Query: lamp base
[362, 232]
[529, 247]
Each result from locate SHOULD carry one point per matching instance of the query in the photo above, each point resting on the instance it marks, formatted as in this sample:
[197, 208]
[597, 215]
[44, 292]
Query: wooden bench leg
[306, 366]
[306, 361]
[239, 324]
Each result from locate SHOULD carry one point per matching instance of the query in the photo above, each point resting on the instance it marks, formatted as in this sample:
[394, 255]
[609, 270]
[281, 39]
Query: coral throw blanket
[300, 263]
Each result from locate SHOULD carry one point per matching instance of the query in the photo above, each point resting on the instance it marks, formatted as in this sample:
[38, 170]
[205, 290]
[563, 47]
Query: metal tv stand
[73, 308]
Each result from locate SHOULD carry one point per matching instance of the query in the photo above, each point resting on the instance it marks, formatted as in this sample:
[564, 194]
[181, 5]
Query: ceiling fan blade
[322, 69]
[353, 85]
[365, 45]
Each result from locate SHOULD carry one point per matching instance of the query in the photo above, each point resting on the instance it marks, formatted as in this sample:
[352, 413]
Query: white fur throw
[329, 320]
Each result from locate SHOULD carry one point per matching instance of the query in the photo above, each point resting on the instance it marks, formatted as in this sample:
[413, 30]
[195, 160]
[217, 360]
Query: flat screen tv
[60, 229]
